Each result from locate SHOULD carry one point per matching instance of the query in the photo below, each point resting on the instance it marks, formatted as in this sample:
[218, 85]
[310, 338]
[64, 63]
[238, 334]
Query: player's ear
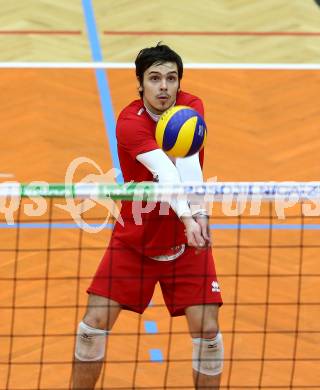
[139, 85]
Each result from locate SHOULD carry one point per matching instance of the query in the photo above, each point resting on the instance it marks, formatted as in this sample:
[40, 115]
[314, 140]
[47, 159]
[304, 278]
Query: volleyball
[181, 131]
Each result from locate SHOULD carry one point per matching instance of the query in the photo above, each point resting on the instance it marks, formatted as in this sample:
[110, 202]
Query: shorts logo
[215, 286]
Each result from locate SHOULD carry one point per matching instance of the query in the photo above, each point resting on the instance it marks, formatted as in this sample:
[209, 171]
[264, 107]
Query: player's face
[160, 86]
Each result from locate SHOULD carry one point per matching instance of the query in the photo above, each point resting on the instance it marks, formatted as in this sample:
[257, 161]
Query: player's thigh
[125, 276]
[102, 312]
[190, 281]
[203, 320]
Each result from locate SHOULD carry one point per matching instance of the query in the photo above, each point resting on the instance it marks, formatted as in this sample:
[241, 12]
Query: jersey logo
[215, 286]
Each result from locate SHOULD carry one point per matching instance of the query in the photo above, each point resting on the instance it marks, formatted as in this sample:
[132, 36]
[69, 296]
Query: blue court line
[150, 327]
[92, 30]
[106, 103]
[265, 226]
[156, 355]
[222, 226]
[103, 85]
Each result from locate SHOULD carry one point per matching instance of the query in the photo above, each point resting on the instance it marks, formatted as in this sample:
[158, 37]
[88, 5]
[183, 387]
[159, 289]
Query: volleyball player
[169, 245]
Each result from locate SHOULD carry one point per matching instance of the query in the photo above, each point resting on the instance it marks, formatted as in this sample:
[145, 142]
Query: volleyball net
[266, 244]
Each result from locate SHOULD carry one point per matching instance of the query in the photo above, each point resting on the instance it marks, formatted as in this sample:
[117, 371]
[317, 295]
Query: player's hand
[203, 222]
[193, 231]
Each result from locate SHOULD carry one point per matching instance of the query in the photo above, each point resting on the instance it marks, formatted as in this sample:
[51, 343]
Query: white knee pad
[207, 356]
[90, 344]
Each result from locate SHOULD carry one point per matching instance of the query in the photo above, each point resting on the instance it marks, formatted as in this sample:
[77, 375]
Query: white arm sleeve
[189, 169]
[160, 165]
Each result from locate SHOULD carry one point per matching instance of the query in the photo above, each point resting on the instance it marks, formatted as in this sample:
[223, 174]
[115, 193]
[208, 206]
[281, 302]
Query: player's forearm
[189, 169]
[159, 164]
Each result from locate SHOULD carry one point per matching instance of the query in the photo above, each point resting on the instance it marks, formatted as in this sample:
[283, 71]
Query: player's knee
[207, 330]
[101, 312]
[95, 320]
[90, 343]
[207, 355]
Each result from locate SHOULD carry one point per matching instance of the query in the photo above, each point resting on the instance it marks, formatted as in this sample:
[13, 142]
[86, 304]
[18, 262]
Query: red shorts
[129, 278]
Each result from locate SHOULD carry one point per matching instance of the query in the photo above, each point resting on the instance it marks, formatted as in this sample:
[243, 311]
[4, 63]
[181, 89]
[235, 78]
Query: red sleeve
[135, 137]
[197, 104]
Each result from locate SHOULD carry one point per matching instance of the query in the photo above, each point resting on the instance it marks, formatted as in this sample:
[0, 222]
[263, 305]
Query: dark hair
[156, 55]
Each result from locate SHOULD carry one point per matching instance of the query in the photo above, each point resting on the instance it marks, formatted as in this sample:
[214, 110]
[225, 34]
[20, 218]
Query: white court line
[129, 65]
[6, 175]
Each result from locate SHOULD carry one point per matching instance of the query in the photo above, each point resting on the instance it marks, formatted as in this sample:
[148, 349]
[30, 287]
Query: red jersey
[135, 133]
